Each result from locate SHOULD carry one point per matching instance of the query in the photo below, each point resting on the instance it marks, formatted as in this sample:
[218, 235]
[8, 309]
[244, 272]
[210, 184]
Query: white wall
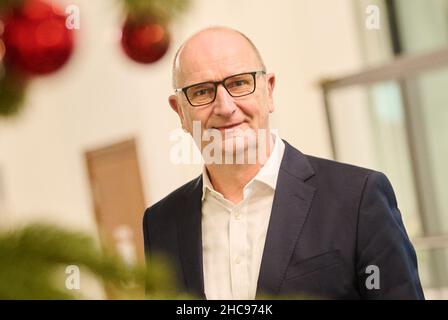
[101, 97]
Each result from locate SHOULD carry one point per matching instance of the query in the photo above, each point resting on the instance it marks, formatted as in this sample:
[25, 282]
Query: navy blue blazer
[329, 222]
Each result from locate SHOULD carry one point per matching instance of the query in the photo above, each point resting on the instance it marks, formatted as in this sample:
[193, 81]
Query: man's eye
[201, 92]
[237, 83]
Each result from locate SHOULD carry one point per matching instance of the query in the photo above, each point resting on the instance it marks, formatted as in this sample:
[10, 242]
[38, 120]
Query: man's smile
[228, 127]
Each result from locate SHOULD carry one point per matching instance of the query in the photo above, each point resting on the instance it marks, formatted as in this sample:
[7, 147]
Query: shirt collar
[268, 174]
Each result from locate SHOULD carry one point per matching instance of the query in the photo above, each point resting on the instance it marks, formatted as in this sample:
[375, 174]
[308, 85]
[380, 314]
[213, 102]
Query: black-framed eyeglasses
[237, 85]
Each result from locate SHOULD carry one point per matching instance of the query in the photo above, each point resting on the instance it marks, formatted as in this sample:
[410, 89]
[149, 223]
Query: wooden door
[118, 198]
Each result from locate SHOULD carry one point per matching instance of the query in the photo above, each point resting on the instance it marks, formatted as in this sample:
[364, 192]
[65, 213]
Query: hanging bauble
[2, 51]
[36, 38]
[144, 40]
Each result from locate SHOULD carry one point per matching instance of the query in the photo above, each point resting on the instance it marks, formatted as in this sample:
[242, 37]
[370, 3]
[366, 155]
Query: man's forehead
[215, 54]
[206, 63]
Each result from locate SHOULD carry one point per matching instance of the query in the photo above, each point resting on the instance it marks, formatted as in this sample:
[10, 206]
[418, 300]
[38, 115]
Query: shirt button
[237, 260]
[237, 216]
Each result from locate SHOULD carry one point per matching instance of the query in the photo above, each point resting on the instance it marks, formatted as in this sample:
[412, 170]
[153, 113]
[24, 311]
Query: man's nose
[224, 104]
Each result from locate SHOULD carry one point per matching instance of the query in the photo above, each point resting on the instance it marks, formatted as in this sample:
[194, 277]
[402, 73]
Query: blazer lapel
[292, 201]
[190, 240]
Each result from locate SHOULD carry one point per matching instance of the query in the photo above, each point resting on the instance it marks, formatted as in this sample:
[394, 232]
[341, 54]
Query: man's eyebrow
[191, 83]
[222, 78]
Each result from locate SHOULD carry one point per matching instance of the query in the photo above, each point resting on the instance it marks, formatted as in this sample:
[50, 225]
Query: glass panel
[422, 24]
[432, 95]
[433, 287]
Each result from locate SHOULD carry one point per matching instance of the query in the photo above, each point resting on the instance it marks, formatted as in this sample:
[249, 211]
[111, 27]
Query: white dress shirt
[233, 235]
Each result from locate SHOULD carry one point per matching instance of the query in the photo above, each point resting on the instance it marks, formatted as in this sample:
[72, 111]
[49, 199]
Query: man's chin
[232, 149]
[238, 143]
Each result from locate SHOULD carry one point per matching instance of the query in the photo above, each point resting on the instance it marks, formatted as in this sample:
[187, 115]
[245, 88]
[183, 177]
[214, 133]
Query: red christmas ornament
[36, 39]
[144, 41]
[2, 51]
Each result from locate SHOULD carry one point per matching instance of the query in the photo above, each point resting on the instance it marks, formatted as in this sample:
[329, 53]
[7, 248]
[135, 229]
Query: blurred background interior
[88, 147]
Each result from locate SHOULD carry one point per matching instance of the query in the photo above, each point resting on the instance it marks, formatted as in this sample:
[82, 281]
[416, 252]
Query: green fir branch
[31, 260]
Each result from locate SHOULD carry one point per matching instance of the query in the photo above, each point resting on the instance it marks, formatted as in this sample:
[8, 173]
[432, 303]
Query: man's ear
[270, 83]
[172, 100]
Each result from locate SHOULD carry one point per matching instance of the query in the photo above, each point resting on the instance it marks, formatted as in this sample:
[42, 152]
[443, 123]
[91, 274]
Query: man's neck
[230, 179]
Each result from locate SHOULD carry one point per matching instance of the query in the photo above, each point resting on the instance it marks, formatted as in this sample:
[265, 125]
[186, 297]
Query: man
[285, 224]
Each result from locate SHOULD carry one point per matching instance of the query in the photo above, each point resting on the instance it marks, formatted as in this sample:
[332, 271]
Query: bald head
[211, 46]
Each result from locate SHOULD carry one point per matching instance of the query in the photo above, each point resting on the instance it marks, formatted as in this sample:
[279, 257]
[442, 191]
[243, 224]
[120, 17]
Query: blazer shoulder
[339, 170]
[168, 205]
[320, 169]
[342, 179]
